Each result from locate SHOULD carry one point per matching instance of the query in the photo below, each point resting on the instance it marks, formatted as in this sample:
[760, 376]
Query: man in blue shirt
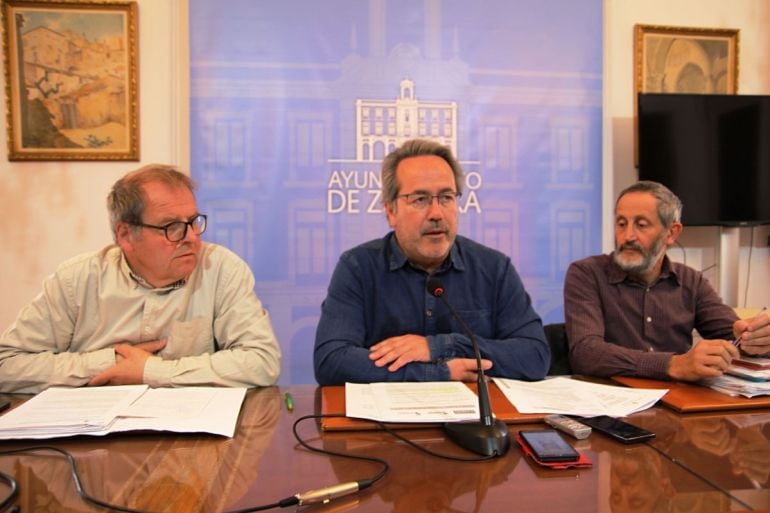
[379, 323]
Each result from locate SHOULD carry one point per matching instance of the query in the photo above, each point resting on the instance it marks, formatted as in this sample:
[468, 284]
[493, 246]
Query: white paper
[70, 409]
[439, 401]
[574, 397]
[217, 411]
[58, 412]
[735, 386]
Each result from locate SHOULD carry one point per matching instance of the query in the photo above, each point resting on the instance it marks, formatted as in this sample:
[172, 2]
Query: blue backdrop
[294, 104]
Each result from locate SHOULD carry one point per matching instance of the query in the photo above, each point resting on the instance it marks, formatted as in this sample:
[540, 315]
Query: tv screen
[713, 151]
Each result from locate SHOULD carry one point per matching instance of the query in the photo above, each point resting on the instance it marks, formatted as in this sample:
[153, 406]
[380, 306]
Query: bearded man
[632, 312]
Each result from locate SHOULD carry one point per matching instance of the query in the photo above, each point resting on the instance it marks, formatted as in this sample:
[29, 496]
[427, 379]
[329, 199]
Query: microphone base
[474, 436]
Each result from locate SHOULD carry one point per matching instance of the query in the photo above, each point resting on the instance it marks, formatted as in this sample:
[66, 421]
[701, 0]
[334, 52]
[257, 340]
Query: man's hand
[707, 358]
[464, 369]
[754, 334]
[129, 364]
[398, 351]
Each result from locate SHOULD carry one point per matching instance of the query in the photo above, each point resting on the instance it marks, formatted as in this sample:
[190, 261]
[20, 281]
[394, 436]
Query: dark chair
[556, 335]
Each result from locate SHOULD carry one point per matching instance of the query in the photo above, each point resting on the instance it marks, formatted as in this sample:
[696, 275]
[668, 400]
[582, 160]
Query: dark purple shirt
[619, 326]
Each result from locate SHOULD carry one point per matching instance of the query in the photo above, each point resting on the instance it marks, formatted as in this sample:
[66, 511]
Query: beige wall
[54, 210]
[751, 17]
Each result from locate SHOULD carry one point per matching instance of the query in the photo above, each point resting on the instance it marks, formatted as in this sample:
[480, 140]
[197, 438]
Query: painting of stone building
[73, 82]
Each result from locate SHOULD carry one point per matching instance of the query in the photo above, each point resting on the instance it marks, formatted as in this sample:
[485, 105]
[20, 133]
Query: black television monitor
[713, 151]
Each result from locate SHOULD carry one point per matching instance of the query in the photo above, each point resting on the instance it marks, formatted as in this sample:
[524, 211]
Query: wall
[702, 244]
[50, 211]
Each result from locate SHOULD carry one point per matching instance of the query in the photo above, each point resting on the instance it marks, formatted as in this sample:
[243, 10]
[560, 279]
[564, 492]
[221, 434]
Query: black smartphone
[618, 429]
[548, 445]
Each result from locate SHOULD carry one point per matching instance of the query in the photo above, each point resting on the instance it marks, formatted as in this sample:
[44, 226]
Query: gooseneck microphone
[488, 436]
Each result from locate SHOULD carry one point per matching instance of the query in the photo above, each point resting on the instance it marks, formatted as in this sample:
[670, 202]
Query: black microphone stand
[487, 436]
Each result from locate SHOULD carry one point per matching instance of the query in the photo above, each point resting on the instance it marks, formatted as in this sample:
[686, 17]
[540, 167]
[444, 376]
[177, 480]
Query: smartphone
[548, 445]
[618, 429]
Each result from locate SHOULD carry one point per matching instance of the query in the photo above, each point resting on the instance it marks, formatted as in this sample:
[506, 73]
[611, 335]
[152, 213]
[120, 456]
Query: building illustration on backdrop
[383, 125]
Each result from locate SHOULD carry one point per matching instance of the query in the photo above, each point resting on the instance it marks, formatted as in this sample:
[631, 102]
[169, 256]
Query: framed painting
[71, 80]
[684, 60]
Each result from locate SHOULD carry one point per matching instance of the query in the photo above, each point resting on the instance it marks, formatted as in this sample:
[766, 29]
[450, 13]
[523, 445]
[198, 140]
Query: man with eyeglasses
[159, 306]
[379, 322]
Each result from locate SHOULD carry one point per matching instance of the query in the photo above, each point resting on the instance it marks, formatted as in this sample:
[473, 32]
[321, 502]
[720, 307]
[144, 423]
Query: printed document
[440, 401]
[58, 412]
[574, 397]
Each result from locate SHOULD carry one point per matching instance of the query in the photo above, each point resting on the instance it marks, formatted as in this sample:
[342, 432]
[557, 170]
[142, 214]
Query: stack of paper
[443, 401]
[58, 412]
[749, 374]
[735, 386]
[573, 397]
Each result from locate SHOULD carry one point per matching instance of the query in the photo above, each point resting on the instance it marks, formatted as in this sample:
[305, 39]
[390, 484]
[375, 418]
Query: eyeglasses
[177, 230]
[422, 200]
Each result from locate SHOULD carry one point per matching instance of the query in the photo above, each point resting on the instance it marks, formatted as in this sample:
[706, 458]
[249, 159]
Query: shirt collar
[397, 259]
[617, 275]
[141, 282]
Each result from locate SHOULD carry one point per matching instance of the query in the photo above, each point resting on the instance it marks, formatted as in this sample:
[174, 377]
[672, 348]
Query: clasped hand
[129, 364]
[395, 352]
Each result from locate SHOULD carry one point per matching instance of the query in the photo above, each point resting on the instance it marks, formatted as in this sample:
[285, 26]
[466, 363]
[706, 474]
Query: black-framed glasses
[177, 230]
[422, 200]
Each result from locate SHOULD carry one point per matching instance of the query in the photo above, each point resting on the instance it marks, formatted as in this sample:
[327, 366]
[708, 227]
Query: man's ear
[674, 231]
[124, 236]
[390, 211]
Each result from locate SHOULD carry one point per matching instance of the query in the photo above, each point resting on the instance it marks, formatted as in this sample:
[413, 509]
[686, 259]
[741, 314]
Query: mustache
[434, 227]
[631, 245]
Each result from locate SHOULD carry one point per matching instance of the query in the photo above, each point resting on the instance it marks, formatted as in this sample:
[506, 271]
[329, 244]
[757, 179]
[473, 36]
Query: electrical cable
[681, 464]
[85, 496]
[748, 270]
[14, 490]
[313, 496]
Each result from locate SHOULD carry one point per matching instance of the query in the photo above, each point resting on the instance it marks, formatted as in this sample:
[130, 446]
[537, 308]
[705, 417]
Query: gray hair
[126, 201]
[415, 148]
[669, 205]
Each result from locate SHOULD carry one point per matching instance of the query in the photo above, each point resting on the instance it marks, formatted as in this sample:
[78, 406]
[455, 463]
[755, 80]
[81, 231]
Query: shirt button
[429, 313]
[649, 319]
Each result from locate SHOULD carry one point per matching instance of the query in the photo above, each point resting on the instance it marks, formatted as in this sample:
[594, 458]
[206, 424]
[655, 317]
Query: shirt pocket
[478, 321]
[188, 338]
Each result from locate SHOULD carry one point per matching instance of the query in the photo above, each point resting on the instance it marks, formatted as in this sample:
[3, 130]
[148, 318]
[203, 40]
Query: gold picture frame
[71, 80]
[683, 60]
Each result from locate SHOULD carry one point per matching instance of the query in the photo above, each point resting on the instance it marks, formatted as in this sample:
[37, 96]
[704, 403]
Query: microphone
[488, 436]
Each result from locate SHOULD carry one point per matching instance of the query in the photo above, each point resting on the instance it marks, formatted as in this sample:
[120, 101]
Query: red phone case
[581, 462]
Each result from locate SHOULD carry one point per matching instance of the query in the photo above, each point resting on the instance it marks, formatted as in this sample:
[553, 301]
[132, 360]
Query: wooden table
[698, 462]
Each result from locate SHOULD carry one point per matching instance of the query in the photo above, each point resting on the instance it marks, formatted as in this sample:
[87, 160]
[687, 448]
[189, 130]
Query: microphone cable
[325, 495]
[322, 495]
[12, 493]
[82, 493]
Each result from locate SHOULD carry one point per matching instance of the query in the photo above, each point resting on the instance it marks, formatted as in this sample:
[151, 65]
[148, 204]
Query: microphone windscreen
[435, 287]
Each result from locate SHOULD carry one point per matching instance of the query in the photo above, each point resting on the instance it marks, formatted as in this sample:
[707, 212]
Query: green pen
[289, 401]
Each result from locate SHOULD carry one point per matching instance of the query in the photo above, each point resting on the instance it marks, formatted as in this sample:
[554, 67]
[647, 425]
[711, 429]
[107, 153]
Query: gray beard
[649, 258]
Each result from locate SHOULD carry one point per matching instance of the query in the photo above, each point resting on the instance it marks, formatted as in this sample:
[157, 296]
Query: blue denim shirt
[375, 293]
